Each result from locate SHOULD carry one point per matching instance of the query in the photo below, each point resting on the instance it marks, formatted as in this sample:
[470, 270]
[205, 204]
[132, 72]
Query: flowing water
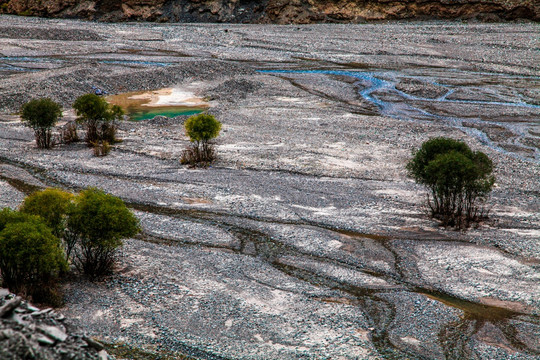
[487, 106]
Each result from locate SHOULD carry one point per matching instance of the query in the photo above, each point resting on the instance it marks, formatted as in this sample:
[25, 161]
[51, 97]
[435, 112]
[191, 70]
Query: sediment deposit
[306, 239]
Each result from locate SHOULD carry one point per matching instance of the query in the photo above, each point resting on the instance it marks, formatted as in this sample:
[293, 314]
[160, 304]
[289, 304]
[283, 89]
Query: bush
[201, 129]
[458, 179]
[41, 115]
[52, 205]
[8, 216]
[99, 222]
[69, 133]
[99, 117]
[31, 258]
[102, 148]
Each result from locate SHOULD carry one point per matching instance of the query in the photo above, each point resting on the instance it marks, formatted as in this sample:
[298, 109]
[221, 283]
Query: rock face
[28, 332]
[275, 11]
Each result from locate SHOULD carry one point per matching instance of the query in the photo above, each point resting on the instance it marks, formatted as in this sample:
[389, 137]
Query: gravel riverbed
[306, 239]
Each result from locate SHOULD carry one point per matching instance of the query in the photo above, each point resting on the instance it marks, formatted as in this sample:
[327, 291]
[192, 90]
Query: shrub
[101, 148]
[201, 129]
[31, 258]
[41, 115]
[69, 133]
[99, 117]
[52, 205]
[457, 178]
[99, 222]
[9, 216]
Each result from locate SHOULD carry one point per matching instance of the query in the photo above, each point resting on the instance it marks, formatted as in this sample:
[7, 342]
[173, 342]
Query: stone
[103, 355]
[45, 340]
[10, 306]
[32, 308]
[42, 312]
[53, 332]
[94, 343]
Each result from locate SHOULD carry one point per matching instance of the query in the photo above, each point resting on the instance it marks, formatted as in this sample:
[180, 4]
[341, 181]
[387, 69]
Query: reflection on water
[144, 105]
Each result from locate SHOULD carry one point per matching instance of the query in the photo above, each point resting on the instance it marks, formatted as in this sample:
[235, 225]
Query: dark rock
[271, 11]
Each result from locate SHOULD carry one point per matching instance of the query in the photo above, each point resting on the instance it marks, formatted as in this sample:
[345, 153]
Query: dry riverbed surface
[306, 240]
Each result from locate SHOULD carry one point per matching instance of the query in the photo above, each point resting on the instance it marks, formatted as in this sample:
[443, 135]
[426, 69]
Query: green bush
[9, 216]
[52, 205]
[31, 258]
[100, 222]
[457, 178]
[99, 117]
[201, 129]
[41, 115]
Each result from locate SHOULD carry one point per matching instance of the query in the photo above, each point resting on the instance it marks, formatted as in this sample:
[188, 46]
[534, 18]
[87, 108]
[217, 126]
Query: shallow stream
[500, 110]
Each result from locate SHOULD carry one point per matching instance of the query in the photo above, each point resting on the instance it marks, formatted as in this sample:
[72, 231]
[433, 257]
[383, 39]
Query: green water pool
[138, 114]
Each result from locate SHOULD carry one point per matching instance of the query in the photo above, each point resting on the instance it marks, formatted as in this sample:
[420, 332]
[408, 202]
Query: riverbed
[306, 239]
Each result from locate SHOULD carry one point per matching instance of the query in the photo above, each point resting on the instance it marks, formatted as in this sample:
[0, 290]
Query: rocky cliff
[275, 11]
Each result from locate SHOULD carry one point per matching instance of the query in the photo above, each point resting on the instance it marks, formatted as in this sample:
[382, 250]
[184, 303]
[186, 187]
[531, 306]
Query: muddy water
[502, 111]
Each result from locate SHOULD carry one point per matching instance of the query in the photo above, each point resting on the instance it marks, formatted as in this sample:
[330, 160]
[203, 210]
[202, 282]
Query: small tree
[53, 206]
[201, 129]
[99, 117]
[31, 258]
[41, 115]
[100, 222]
[458, 179]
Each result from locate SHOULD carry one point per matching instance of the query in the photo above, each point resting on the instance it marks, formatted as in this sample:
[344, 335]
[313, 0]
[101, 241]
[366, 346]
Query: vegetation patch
[41, 115]
[458, 180]
[201, 129]
[55, 228]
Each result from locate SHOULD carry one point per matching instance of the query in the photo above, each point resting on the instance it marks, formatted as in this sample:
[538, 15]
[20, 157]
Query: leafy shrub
[31, 258]
[52, 205]
[41, 115]
[99, 117]
[201, 129]
[457, 178]
[9, 216]
[99, 222]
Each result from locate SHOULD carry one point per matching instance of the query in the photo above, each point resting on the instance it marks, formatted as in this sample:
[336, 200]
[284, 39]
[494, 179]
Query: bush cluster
[53, 228]
[458, 180]
[200, 129]
[99, 117]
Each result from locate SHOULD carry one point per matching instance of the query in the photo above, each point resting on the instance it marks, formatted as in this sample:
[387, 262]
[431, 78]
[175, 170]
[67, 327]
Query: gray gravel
[306, 239]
